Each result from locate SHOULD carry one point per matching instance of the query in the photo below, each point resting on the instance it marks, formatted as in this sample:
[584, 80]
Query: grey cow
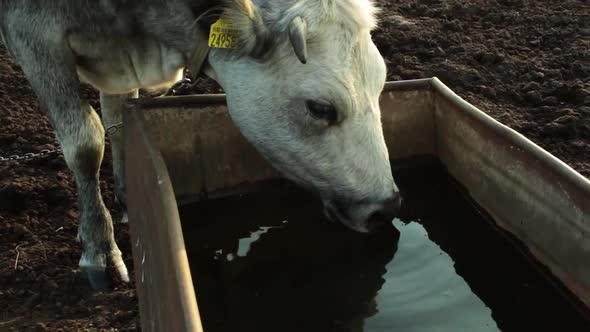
[302, 84]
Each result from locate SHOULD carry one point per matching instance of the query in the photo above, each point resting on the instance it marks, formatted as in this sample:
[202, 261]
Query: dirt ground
[526, 63]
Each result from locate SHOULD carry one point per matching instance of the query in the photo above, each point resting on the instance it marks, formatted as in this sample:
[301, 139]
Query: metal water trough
[179, 147]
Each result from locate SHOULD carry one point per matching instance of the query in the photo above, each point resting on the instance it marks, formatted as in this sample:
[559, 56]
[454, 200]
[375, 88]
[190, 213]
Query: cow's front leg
[83, 155]
[112, 107]
[50, 67]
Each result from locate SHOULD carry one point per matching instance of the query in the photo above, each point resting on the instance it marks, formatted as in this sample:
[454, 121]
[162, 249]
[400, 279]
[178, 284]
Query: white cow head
[303, 87]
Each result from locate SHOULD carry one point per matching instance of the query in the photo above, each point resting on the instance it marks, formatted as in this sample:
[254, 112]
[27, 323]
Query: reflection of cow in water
[304, 275]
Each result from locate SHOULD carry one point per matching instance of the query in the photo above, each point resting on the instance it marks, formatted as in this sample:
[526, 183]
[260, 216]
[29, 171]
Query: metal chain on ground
[30, 155]
[113, 129]
[110, 130]
[179, 87]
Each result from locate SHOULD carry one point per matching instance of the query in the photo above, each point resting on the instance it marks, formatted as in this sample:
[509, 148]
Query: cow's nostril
[392, 205]
[377, 220]
[389, 210]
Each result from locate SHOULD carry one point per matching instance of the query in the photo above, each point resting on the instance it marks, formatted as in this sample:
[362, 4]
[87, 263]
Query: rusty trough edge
[426, 83]
[570, 176]
[518, 139]
[172, 261]
[577, 187]
[208, 99]
[178, 101]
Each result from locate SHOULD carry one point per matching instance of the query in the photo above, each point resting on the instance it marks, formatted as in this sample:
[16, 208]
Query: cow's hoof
[98, 278]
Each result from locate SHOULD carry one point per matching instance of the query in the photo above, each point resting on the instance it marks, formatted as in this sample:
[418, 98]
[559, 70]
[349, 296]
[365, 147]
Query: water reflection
[281, 277]
[271, 274]
[301, 281]
[423, 291]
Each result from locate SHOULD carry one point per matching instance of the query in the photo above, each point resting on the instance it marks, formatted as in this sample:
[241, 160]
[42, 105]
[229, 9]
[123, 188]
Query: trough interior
[527, 192]
[264, 258]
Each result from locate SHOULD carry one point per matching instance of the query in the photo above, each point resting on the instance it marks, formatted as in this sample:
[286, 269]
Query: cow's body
[117, 46]
[307, 119]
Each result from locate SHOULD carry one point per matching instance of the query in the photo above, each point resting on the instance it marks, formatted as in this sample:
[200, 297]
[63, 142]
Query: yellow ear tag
[223, 35]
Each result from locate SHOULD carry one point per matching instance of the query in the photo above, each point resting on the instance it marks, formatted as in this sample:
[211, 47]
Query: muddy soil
[41, 287]
[526, 63]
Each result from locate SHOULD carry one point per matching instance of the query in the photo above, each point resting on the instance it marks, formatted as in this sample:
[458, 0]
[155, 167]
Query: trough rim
[434, 84]
[513, 136]
[219, 98]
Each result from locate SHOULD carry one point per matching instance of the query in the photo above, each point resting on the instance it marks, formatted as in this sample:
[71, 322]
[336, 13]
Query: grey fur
[56, 43]
[120, 46]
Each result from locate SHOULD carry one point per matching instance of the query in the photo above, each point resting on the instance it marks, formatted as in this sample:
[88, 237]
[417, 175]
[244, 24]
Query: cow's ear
[255, 38]
[205, 18]
[199, 55]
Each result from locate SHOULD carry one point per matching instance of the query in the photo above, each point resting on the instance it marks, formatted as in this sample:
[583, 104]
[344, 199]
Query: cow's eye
[322, 110]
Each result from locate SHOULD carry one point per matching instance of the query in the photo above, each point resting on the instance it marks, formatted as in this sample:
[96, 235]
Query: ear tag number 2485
[223, 35]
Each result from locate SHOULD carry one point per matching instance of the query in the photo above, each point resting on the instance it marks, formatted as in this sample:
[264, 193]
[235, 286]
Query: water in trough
[268, 260]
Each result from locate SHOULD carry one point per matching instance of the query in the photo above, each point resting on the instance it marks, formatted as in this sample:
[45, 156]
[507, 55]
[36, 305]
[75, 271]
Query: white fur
[347, 161]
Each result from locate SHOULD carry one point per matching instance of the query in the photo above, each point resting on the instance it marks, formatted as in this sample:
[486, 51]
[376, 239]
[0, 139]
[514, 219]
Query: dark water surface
[270, 261]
